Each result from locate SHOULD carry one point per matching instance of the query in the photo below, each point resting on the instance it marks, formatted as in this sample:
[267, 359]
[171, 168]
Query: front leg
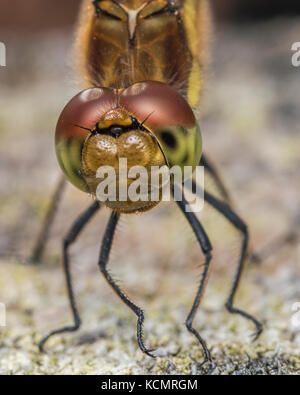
[206, 249]
[103, 259]
[71, 237]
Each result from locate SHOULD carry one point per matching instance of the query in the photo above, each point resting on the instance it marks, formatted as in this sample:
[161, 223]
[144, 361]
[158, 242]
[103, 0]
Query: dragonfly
[142, 62]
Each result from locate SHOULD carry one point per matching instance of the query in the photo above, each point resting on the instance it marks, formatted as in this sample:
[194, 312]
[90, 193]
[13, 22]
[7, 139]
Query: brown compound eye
[85, 109]
[164, 112]
[158, 103]
[76, 121]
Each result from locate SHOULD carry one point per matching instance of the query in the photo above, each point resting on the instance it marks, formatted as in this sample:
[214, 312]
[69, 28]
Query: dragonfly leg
[239, 224]
[216, 177]
[206, 249]
[71, 237]
[253, 257]
[40, 243]
[103, 259]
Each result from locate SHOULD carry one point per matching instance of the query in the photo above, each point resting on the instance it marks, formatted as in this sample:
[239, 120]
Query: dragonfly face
[148, 124]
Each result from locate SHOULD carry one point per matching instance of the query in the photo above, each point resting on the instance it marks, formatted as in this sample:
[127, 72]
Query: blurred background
[250, 117]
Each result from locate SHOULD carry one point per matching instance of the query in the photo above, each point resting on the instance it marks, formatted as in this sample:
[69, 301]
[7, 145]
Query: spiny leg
[71, 237]
[206, 249]
[103, 259]
[40, 243]
[255, 258]
[216, 177]
[239, 224]
[290, 237]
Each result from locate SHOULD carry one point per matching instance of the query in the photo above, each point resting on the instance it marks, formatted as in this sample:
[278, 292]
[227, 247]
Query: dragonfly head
[121, 142]
[106, 133]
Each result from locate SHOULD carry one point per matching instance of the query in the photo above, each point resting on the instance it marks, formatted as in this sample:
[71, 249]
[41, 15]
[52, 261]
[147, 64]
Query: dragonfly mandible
[143, 66]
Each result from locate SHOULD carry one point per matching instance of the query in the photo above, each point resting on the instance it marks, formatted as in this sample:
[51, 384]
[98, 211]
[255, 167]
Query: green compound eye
[181, 146]
[168, 139]
[74, 126]
[68, 154]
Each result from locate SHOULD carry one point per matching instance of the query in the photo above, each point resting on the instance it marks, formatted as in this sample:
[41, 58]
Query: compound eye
[182, 147]
[75, 123]
[158, 104]
[169, 117]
